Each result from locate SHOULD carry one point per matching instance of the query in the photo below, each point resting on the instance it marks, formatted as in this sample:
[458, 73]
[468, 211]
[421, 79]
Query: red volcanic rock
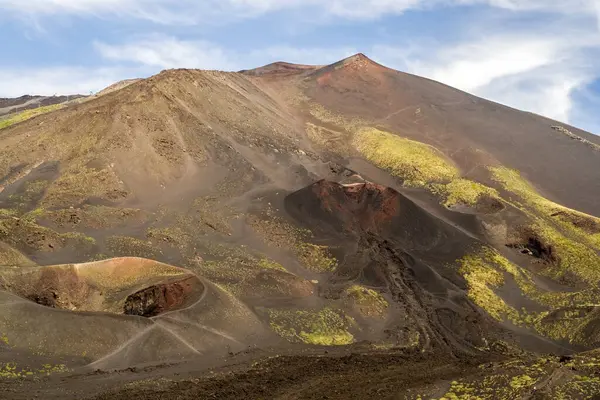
[367, 206]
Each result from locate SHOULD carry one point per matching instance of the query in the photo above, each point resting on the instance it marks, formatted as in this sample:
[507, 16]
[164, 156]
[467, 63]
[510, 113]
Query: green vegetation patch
[369, 302]
[585, 227]
[574, 257]
[417, 163]
[524, 377]
[567, 315]
[12, 371]
[12, 119]
[479, 270]
[327, 327]
[463, 191]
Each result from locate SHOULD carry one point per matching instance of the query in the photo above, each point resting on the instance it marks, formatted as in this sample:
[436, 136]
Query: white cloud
[59, 80]
[196, 12]
[537, 73]
[169, 52]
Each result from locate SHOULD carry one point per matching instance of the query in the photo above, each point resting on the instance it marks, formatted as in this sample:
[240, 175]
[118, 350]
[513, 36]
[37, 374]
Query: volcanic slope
[203, 219]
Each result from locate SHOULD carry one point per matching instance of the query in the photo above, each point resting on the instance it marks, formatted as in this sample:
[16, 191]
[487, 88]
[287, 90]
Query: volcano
[297, 231]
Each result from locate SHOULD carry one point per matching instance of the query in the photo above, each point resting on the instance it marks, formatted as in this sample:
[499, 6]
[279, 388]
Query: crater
[130, 286]
[530, 243]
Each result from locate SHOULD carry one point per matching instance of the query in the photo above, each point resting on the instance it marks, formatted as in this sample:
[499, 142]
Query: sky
[541, 56]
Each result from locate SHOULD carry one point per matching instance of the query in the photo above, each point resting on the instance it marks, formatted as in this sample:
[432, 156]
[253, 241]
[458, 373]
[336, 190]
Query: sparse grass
[251, 276]
[463, 191]
[328, 139]
[278, 233]
[79, 184]
[370, 303]
[33, 215]
[416, 163]
[125, 246]
[171, 235]
[27, 114]
[316, 258]
[326, 327]
[517, 377]
[7, 212]
[326, 116]
[13, 257]
[79, 237]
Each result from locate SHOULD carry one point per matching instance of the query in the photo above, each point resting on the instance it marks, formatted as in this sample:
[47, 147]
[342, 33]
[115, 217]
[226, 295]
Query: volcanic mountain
[295, 231]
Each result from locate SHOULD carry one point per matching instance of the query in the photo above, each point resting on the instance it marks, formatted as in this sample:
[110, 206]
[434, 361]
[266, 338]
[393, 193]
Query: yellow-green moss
[34, 214]
[566, 230]
[322, 114]
[11, 371]
[326, 327]
[266, 263]
[79, 237]
[484, 272]
[27, 114]
[369, 302]
[418, 164]
[316, 258]
[463, 191]
[482, 278]
[574, 257]
[572, 221]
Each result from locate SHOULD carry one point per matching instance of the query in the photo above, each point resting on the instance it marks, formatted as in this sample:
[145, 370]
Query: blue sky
[537, 55]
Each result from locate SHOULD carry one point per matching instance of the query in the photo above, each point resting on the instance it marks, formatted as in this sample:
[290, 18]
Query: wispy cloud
[59, 80]
[192, 11]
[169, 52]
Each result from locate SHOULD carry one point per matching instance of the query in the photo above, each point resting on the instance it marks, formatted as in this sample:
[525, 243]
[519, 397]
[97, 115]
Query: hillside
[289, 230]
